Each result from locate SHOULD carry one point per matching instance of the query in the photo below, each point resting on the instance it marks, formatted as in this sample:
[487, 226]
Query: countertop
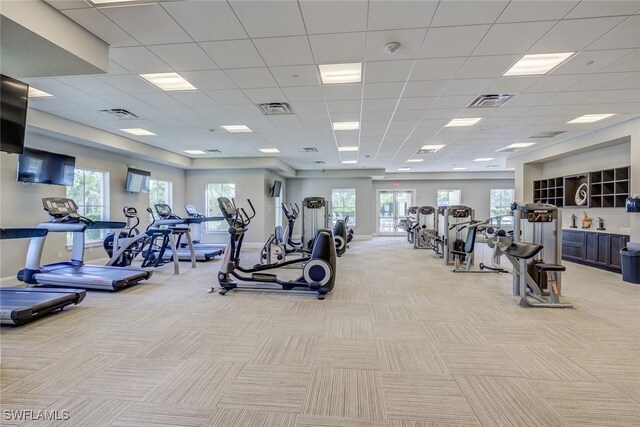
[593, 230]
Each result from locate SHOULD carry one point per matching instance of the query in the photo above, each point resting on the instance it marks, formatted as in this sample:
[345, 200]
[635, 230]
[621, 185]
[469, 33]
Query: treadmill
[197, 219]
[168, 218]
[19, 306]
[75, 273]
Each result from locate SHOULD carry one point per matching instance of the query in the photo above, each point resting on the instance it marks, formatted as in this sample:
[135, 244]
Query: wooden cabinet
[600, 250]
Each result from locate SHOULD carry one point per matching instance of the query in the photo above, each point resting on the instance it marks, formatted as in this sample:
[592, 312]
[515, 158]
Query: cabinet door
[604, 249]
[591, 247]
[573, 244]
[617, 243]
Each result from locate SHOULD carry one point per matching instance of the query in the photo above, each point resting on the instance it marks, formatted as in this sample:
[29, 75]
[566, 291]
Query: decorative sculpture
[586, 221]
[582, 194]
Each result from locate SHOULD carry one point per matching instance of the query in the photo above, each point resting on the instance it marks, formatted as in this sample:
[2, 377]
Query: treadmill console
[60, 207]
[192, 211]
[163, 210]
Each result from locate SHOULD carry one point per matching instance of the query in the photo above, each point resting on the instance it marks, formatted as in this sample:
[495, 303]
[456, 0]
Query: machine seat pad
[550, 267]
[458, 252]
[523, 250]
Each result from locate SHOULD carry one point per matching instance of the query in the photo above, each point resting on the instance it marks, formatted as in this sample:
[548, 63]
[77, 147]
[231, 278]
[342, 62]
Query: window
[343, 204]
[500, 204]
[278, 202]
[90, 191]
[449, 197]
[160, 192]
[213, 209]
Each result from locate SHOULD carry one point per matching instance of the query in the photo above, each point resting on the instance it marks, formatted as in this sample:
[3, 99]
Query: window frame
[449, 191]
[352, 218]
[507, 207]
[82, 206]
[216, 227]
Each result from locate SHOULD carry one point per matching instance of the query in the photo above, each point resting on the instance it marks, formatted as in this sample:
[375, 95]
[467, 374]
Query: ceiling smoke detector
[309, 149]
[392, 47]
[275, 108]
[120, 114]
[490, 101]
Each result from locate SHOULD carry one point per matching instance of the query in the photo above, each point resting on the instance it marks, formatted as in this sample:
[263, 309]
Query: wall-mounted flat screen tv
[276, 188]
[43, 167]
[138, 181]
[14, 97]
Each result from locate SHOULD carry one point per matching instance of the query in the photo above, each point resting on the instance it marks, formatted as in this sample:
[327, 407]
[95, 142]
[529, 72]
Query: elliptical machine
[318, 274]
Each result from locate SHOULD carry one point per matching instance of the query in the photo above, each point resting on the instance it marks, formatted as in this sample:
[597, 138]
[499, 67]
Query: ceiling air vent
[489, 101]
[120, 114]
[429, 151]
[548, 134]
[309, 149]
[214, 151]
[319, 162]
[507, 149]
[275, 108]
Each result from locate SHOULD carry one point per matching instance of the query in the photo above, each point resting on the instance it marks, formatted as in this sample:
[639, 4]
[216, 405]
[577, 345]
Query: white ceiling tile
[149, 24]
[417, 103]
[206, 20]
[436, 68]
[624, 35]
[55, 87]
[129, 84]
[338, 17]
[248, 78]
[529, 99]
[591, 61]
[512, 38]
[54, 104]
[568, 98]
[388, 104]
[285, 50]
[347, 106]
[208, 80]
[451, 102]
[383, 90]
[93, 105]
[115, 68]
[470, 87]
[408, 114]
[591, 9]
[101, 26]
[270, 94]
[193, 99]
[309, 107]
[296, 75]
[157, 99]
[387, 71]
[343, 91]
[269, 19]
[228, 96]
[486, 66]
[630, 62]
[338, 48]
[468, 12]
[184, 56]
[303, 93]
[68, 4]
[125, 101]
[511, 84]
[233, 53]
[602, 81]
[534, 10]
[138, 60]
[452, 41]
[89, 84]
[425, 88]
[410, 40]
[574, 35]
[554, 83]
[387, 15]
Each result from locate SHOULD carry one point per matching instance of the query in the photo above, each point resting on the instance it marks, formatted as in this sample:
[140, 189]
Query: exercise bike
[318, 274]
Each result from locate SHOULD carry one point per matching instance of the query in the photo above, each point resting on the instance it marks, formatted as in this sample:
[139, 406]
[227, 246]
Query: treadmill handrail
[63, 227]
[22, 233]
[105, 225]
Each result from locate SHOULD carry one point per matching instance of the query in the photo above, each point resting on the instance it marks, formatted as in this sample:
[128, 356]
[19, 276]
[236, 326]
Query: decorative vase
[633, 204]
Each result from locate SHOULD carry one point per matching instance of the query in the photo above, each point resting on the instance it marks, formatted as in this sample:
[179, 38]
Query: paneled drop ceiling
[241, 53]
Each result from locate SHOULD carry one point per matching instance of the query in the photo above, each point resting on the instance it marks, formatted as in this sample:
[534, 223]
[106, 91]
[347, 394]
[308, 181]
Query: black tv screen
[277, 187]
[138, 181]
[43, 167]
[14, 97]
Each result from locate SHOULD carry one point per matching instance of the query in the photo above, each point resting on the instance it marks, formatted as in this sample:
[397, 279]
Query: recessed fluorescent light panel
[117, 2]
[346, 125]
[431, 148]
[138, 132]
[521, 145]
[459, 169]
[168, 81]
[195, 152]
[341, 73]
[590, 118]
[349, 162]
[483, 159]
[37, 93]
[466, 121]
[269, 150]
[537, 64]
[236, 129]
[403, 169]
[348, 148]
[415, 160]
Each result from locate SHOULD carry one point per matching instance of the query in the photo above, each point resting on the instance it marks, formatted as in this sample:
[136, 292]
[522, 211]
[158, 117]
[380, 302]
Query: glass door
[393, 207]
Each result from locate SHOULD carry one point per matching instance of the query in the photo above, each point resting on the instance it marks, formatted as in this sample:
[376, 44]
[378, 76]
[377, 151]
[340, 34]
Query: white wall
[22, 206]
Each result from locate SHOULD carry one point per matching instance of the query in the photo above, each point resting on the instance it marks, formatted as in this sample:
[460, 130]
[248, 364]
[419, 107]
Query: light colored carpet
[401, 342]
